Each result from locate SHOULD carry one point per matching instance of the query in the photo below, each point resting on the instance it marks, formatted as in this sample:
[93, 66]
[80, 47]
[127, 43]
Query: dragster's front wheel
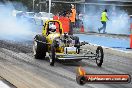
[100, 56]
[52, 55]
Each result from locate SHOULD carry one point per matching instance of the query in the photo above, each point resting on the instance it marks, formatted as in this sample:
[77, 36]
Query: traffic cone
[131, 41]
[131, 36]
[82, 28]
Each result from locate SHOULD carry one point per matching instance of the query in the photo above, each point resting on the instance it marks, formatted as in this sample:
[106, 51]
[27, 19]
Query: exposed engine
[68, 43]
[65, 41]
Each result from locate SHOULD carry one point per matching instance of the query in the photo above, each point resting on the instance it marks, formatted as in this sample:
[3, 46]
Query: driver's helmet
[52, 28]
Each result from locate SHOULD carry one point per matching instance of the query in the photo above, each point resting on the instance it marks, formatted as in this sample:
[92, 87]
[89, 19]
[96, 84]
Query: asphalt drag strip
[18, 66]
[22, 72]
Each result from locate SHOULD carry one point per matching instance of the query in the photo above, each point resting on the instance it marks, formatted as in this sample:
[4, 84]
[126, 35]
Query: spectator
[104, 19]
[77, 21]
[72, 19]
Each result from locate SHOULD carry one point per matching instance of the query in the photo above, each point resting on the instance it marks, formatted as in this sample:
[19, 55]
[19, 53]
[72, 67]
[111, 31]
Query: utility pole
[40, 6]
[33, 5]
[84, 8]
[49, 7]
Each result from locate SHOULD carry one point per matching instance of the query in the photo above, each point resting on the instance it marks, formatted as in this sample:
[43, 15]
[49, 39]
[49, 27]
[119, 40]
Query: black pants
[103, 27]
[71, 28]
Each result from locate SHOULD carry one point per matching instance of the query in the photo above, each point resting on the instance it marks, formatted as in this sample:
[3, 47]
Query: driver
[52, 28]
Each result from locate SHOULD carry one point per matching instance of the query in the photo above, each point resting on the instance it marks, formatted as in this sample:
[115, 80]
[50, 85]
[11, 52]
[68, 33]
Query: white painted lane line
[3, 85]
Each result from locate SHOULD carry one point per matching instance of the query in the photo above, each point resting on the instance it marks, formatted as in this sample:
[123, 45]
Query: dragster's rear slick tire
[39, 48]
[100, 56]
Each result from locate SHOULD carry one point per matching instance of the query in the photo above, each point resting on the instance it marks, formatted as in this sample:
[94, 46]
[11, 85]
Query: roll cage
[46, 29]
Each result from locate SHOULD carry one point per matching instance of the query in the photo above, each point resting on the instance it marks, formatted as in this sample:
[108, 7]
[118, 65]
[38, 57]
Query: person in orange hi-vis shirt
[72, 19]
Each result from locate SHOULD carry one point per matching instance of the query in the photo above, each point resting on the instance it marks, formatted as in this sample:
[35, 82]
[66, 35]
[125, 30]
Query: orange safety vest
[73, 16]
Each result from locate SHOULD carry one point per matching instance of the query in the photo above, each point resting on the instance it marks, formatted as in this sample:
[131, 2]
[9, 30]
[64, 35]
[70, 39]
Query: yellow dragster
[60, 45]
